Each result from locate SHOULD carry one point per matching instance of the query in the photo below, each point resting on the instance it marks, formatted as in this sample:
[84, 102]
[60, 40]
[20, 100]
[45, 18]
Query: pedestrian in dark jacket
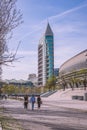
[39, 102]
[26, 101]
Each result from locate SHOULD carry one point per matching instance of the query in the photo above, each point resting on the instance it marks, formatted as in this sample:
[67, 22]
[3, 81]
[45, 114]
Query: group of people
[32, 100]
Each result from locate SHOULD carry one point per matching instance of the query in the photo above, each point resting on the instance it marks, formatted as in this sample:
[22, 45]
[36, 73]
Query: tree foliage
[51, 82]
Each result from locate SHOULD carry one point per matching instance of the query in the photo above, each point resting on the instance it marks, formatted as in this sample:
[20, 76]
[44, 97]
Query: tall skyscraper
[46, 56]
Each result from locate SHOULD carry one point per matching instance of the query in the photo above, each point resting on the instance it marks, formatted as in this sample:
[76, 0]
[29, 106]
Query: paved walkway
[64, 99]
[53, 115]
[56, 113]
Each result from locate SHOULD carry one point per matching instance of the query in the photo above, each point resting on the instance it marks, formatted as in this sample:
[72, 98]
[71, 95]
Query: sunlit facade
[77, 62]
[46, 56]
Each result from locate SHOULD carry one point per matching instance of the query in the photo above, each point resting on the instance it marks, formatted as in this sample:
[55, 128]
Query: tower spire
[48, 31]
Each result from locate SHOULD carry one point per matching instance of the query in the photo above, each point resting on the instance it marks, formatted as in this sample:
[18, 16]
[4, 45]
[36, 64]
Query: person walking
[32, 101]
[26, 101]
[39, 102]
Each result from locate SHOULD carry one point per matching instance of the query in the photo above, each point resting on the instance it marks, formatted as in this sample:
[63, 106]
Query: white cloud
[21, 69]
[67, 12]
[27, 53]
[61, 54]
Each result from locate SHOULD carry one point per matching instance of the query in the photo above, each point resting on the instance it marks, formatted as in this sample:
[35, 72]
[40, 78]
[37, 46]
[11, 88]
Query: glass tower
[46, 56]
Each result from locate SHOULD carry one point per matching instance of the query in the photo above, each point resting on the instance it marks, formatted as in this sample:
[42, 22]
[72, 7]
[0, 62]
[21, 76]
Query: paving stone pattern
[51, 116]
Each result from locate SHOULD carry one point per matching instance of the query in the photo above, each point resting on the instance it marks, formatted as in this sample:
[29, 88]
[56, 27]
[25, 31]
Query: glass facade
[49, 55]
[46, 56]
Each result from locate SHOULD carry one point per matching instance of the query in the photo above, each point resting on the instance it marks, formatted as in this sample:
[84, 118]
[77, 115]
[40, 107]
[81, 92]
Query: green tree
[51, 83]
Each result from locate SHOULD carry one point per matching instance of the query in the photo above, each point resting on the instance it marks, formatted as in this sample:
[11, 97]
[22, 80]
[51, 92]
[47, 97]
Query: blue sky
[68, 20]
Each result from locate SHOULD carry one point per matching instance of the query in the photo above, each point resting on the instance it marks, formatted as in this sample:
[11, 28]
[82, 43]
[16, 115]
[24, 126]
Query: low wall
[76, 97]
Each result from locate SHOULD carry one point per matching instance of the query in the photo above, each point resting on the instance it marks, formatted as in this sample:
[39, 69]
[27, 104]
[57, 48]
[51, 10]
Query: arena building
[73, 72]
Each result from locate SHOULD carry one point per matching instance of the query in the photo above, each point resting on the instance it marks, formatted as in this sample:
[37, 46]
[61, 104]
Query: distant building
[19, 82]
[46, 56]
[33, 78]
[56, 72]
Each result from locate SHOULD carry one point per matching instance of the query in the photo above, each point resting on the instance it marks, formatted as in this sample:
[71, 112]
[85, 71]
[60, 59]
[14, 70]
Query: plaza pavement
[58, 112]
[64, 99]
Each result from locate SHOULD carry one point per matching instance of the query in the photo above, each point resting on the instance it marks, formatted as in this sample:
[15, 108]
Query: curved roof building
[73, 72]
[76, 63]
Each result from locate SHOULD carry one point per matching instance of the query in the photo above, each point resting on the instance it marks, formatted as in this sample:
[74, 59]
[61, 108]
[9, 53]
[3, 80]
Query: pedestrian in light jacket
[32, 101]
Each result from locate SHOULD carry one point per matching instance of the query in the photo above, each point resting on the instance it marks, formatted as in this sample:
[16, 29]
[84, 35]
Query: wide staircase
[49, 93]
[68, 94]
